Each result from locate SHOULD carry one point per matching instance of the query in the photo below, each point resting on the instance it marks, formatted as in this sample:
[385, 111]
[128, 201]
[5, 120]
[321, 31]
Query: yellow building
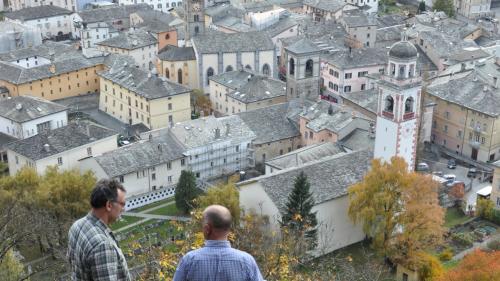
[466, 116]
[51, 71]
[242, 90]
[178, 64]
[136, 96]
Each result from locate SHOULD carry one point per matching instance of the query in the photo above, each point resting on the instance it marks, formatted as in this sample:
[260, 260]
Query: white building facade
[160, 5]
[399, 97]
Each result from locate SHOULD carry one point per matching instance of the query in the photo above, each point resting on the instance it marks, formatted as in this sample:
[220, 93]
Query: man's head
[216, 222]
[108, 200]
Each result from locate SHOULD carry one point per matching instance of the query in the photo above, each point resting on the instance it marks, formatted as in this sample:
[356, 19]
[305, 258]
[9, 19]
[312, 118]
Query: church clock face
[196, 7]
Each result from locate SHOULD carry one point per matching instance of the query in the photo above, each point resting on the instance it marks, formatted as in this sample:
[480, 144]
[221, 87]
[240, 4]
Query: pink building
[346, 71]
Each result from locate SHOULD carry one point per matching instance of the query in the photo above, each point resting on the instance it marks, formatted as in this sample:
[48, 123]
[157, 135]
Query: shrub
[446, 254]
[462, 238]
[494, 245]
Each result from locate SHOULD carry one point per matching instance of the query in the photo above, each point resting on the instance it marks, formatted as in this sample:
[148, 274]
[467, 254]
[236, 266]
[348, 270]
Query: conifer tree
[298, 216]
[446, 6]
[185, 191]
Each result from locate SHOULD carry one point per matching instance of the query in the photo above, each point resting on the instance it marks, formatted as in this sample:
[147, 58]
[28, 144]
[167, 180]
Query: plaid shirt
[217, 261]
[93, 252]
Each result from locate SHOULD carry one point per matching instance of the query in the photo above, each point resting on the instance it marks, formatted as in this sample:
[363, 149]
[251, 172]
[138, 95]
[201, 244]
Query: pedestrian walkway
[131, 225]
[155, 208]
[481, 245]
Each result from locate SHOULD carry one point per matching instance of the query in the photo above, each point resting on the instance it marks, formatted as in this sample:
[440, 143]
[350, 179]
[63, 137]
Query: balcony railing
[388, 114]
[408, 115]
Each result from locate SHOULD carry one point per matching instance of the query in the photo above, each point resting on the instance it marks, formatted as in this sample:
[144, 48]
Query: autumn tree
[226, 195]
[186, 191]
[200, 102]
[485, 208]
[298, 215]
[11, 269]
[429, 267]
[398, 209]
[445, 6]
[476, 266]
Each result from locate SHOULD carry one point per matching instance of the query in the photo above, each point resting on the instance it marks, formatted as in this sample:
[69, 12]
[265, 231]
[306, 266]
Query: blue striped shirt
[217, 261]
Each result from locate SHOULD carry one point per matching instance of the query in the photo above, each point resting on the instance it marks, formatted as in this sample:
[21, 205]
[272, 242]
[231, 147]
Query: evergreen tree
[298, 216]
[446, 6]
[421, 7]
[185, 191]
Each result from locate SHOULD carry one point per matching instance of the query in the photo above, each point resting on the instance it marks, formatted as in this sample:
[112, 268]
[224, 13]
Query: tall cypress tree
[185, 191]
[298, 216]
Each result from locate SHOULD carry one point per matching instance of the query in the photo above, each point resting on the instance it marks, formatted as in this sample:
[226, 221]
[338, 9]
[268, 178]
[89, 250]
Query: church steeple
[194, 19]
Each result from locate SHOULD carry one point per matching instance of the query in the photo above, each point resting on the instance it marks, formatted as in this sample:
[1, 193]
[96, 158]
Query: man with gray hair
[217, 261]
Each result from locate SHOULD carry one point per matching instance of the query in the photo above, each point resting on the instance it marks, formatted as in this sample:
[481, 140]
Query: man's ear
[109, 206]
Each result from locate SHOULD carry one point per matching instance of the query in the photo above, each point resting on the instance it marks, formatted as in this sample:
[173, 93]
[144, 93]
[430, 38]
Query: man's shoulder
[88, 229]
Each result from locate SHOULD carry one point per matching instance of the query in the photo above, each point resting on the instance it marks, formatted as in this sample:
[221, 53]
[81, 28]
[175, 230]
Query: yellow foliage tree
[226, 195]
[398, 209]
[11, 269]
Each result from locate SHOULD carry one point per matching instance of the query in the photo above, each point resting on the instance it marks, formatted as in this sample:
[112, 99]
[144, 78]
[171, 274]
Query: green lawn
[454, 216]
[169, 210]
[126, 220]
[152, 205]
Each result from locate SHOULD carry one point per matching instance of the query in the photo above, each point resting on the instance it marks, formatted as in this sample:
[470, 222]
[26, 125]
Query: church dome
[403, 50]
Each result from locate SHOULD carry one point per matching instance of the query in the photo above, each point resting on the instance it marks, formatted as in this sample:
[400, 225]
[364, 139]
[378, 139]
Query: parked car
[422, 167]
[471, 173]
[438, 173]
[452, 164]
[453, 183]
[449, 178]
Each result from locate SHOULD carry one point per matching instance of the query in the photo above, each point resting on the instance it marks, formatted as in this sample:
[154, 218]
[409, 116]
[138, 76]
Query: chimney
[159, 147]
[46, 147]
[217, 133]
[485, 88]
[87, 130]
[228, 126]
[350, 52]
[353, 114]
[330, 110]
[52, 68]
[495, 82]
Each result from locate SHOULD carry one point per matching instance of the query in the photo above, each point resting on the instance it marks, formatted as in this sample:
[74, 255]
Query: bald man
[217, 261]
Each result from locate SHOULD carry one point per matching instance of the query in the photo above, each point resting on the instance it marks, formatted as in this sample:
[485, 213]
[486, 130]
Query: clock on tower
[194, 19]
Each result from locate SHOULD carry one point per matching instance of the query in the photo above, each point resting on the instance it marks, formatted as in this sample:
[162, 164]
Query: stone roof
[130, 40]
[327, 5]
[467, 55]
[111, 13]
[390, 20]
[305, 155]
[215, 42]
[403, 50]
[324, 115]
[140, 155]
[66, 59]
[141, 82]
[174, 53]
[281, 26]
[25, 108]
[358, 19]
[359, 139]
[59, 140]
[233, 79]
[217, 12]
[39, 12]
[445, 45]
[234, 23]
[355, 58]
[367, 99]
[5, 139]
[202, 131]
[258, 88]
[302, 46]
[329, 178]
[469, 90]
[271, 123]
[155, 21]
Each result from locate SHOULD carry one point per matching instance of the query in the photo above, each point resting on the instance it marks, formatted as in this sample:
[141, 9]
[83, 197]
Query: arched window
[309, 68]
[402, 71]
[411, 71]
[210, 72]
[248, 67]
[196, 30]
[393, 69]
[291, 67]
[265, 69]
[167, 36]
[389, 104]
[409, 105]
[229, 68]
[179, 76]
[167, 73]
